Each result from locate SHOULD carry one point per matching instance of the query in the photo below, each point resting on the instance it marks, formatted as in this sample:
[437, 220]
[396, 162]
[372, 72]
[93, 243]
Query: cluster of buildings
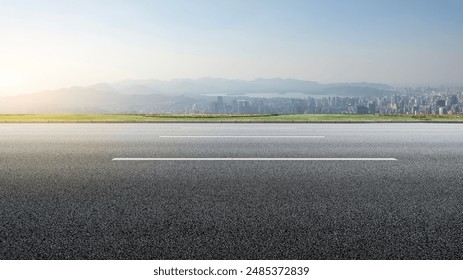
[404, 101]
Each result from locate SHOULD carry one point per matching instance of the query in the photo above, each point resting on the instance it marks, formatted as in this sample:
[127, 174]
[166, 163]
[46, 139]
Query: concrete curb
[243, 121]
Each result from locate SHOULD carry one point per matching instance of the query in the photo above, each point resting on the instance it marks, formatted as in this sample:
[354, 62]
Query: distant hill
[354, 91]
[233, 87]
[148, 96]
[80, 100]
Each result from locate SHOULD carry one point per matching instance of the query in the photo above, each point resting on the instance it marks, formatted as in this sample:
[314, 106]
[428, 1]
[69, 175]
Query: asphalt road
[62, 196]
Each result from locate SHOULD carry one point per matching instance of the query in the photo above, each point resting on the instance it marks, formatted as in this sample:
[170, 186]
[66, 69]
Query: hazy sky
[49, 44]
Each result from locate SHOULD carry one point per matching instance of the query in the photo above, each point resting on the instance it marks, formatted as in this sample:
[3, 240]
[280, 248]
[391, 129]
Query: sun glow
[10, 79]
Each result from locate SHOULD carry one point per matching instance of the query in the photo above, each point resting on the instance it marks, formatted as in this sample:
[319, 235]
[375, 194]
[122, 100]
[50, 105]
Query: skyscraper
[372, 107]
[220, 105]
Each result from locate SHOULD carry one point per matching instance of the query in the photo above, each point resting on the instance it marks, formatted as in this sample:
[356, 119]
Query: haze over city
[48, 45]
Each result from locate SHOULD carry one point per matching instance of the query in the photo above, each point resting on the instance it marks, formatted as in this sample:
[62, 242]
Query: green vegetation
[42, 118]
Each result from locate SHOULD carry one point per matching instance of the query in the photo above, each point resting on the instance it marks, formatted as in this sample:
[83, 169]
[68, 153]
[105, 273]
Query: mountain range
[155, 96]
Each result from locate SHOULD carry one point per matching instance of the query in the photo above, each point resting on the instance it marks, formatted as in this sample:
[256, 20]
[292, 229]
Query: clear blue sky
[56, 43]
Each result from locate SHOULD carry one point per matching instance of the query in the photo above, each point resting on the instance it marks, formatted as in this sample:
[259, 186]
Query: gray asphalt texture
[62, 196]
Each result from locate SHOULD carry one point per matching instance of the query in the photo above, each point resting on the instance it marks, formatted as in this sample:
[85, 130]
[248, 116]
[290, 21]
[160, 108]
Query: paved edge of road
[242, 121]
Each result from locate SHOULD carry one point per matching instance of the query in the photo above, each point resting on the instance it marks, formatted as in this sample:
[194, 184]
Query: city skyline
[57, 44]
[220, 96]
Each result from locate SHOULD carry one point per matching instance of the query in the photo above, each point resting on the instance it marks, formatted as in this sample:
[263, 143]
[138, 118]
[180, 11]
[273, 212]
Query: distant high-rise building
[362, 110]
[260, 107]
[243, 106]
[453, 100]
[220, 105]
[332, 101]
[372, 107]
[195, 109]
[234, 106]
[312, 106]
[440, 103]
[213, 108]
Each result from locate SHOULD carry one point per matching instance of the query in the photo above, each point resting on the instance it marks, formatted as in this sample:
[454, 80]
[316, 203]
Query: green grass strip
[44, 118]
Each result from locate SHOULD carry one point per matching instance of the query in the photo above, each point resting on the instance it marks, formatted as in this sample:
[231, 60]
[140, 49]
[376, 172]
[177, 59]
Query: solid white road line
[255, 159]
[240, 128]
[241, 136]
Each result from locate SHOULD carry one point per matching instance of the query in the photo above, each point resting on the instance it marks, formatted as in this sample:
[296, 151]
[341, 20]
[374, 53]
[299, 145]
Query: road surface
[231, 191]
